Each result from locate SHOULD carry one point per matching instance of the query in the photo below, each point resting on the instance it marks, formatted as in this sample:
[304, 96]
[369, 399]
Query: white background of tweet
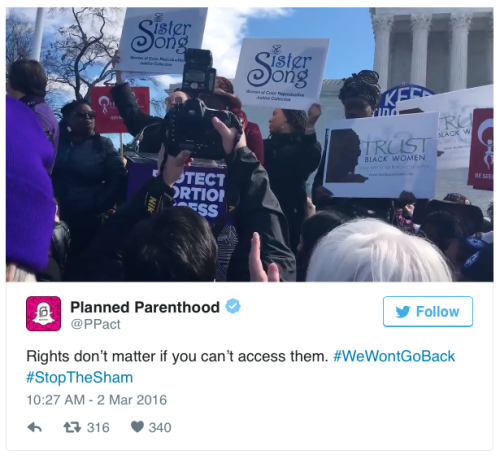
[264, 406]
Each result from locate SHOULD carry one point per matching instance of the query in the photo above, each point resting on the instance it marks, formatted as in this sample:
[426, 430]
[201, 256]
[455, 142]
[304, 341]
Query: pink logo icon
[43, 313]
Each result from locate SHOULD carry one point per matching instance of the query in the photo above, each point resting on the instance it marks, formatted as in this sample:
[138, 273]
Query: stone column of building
[489, 51]
[420, 24]
[460, 23]
[382, 26]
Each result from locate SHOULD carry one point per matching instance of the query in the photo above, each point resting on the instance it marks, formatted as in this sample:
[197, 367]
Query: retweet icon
[402, 313]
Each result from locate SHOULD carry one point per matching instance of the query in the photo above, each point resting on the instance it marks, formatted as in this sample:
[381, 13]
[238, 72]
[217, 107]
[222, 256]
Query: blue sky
[349, 29]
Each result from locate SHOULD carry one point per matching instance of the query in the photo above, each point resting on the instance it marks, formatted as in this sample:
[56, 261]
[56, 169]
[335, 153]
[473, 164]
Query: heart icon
[137, 426]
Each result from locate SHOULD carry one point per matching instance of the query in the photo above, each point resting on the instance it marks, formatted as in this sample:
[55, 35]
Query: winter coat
[136, 121]
[46, 119]
[87, 177]
[289, 161]
[58, 254]
[254, 141]
[257, 210]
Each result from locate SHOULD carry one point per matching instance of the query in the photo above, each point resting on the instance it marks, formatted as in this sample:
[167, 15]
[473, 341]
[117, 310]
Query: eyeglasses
[85, 115]
[176, 100]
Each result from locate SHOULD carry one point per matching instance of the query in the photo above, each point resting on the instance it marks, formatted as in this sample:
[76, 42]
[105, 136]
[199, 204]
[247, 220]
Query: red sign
[481, 150]
[107, 118]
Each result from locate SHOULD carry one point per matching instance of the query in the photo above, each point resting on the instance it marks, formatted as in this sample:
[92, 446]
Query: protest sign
[382, 156]
[281, 72]
[387, 106]
[201, 188]
[455, 121]
[481, 151]
[154, 40]
[107, 117]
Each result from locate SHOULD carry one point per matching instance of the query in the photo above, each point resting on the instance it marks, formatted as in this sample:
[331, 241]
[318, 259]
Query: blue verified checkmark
[233, 306]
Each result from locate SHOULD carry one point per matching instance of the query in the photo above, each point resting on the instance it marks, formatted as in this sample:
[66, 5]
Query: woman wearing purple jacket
[27, 82]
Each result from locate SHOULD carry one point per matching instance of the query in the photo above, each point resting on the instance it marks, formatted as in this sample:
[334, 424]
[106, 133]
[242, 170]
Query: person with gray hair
[369, 250]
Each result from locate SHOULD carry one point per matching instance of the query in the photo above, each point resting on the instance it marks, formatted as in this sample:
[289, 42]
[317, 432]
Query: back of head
[28, 77]
[319, 224]
[297, 119]
[440, 228]
[370, 250]
[30, 203]
[177, 245]
[313, 229]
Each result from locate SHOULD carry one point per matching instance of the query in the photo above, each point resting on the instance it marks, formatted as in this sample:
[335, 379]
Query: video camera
[189, 124]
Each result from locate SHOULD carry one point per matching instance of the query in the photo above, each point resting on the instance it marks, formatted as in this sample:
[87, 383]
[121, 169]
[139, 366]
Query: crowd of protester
[68, 219]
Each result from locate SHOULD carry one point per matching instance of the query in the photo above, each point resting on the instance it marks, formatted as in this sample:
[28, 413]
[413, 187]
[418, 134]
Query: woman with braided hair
[291, 154]
[360, 95]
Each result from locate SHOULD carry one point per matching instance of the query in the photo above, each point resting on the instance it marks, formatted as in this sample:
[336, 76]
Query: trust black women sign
[281, 72]
[154, 40]
[382, 156]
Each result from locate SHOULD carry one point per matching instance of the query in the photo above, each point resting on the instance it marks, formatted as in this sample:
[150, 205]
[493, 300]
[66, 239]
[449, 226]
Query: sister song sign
[154, 40]
[281, 72]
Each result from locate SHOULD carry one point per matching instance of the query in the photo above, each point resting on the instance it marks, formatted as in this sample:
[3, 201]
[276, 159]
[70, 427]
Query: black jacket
[257, 211]
[58, 254]
[136, 121]
[289, 161]
[87, 177]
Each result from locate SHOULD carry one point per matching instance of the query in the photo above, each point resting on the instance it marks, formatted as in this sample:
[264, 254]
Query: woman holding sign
[291, 154]
[360, 95]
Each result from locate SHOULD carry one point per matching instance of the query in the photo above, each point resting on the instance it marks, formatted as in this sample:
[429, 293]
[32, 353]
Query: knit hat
[30, 203]
[297, 119]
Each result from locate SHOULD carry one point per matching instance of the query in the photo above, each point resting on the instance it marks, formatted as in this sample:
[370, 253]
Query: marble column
[489, 52]
[420, 24]
[382, 26]
[460, 23]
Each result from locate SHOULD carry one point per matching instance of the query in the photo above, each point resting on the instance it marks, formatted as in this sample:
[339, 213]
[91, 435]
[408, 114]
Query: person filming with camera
[149, 239]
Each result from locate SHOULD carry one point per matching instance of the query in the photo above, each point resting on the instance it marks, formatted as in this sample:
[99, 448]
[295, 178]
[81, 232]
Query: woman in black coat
[360, 95]
[291, 155]
[88, 174]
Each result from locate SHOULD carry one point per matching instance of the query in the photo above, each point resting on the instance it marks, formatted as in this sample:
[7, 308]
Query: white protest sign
[382, 156]
[281, 72]
[455, 121]
[154, 40]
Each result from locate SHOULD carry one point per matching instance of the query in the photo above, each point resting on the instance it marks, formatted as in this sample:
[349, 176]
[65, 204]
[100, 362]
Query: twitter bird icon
[402, 313]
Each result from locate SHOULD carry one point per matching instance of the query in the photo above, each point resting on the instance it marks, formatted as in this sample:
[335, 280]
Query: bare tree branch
[81, 54]
[19, 37]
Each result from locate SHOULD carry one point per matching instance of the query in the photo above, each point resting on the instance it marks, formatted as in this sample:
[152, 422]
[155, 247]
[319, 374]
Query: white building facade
[442, 49]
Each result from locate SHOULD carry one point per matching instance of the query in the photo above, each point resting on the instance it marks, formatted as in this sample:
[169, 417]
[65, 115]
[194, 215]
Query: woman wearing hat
[291, 155]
